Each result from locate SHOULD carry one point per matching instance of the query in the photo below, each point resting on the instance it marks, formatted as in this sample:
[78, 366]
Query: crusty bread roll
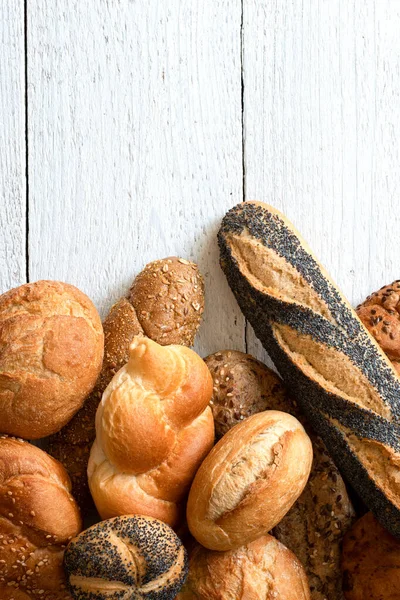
[314, 527]
[51, 349]
[167, 300]
[249, 481]
[153, 429]
[337, 372]
[371, 562]
[262, 570]
[126, 557]
[380, 313]
[38, 517]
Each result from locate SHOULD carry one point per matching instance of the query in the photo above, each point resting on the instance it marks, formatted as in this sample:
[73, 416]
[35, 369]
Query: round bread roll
[262, 570]
[51, 350]
[249, 481]
[168, 297]
[380, 313]
[370, 562]
[126, 557]
[38, 517]
[242, 386]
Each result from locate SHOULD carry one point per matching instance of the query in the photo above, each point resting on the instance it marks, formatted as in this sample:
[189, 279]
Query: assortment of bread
[165, 303]
[132, 412]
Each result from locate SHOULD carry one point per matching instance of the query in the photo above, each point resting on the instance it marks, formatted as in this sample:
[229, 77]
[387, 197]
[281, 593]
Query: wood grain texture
[322, 130]
[12, 145]
[135, 144]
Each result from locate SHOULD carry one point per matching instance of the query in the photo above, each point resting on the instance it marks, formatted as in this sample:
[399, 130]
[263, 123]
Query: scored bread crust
[338, 373]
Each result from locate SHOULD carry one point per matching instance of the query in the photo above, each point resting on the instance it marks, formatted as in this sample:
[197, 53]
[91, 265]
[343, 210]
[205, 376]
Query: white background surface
[128, 128]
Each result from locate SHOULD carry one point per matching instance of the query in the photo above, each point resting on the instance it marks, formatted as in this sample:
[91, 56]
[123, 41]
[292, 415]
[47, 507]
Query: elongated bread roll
[336, 370]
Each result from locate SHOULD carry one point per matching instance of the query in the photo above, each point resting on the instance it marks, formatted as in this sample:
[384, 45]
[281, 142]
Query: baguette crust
[339, 375]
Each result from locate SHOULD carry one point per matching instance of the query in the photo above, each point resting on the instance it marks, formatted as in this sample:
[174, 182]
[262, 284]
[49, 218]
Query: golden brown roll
[249, 481]
[38, 517]
[126, 557]
[380, 313]
[168, 296]
[153, 430]
[370, 562]
[262, 570]
[51, 349]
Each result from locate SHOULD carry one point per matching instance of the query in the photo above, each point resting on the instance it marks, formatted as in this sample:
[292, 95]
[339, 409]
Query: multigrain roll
[371, 562]
[126, 557]
[380, 313]
[242, 386]
[337, 372]
[262, 570]
[153, 430]
[249, 481]
[38, 517]
[314, 527]
[168, 297]
[51, 349]
[166, 302]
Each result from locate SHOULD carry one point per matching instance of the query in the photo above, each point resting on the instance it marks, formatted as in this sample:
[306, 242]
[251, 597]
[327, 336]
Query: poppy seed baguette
[336, 370]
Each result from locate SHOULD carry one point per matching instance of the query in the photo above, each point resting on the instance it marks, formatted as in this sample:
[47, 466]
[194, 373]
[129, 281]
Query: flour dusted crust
[312, 334]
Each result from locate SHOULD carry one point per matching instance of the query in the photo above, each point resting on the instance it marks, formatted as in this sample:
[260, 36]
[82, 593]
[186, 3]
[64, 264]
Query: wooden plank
[135, 144]
[322, 129]
[12, 145]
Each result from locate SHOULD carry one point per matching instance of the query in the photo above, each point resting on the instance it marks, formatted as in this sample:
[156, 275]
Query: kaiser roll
[51, 350]
[38, 517]
[249, 481]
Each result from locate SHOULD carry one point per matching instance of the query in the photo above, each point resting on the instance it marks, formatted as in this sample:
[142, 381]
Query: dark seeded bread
[337, 372]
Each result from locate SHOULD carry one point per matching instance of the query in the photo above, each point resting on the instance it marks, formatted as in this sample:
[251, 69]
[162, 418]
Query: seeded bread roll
[126, 557]
[335, 369]
[371, 562]
[170, 291]
[262, 570]
[168, 296]
[51, 349]
[242, 386]
[38, 517]
[249, 481]
[380, 313]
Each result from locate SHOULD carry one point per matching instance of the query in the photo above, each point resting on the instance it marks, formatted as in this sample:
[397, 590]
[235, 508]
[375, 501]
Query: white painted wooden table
[129, 127]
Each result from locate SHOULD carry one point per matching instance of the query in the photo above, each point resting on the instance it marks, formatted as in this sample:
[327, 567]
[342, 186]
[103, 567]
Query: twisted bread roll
[38, 517]
[126, 557]
[338, 373]
[262, 570]
[153, 430]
